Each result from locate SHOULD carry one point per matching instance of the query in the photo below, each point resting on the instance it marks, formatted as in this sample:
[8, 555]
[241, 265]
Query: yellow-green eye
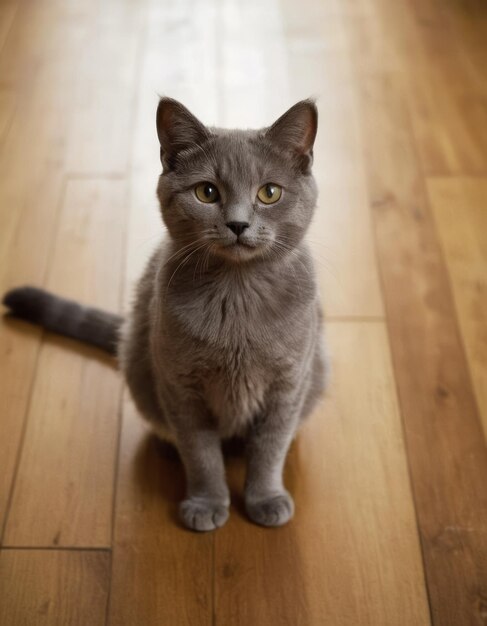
[269, 193]
[207, 192]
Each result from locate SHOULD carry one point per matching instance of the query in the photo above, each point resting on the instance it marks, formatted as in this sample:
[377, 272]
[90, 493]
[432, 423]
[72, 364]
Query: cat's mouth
[242, 244]
[239, 250]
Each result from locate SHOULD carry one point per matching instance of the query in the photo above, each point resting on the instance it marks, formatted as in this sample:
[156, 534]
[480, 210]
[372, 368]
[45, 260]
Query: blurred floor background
[389, 476]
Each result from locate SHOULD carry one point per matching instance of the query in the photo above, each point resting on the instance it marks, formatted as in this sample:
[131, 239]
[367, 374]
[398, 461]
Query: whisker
[286, 250]
[181, 250]
[183, 262]
[199, 262]
[324, 262]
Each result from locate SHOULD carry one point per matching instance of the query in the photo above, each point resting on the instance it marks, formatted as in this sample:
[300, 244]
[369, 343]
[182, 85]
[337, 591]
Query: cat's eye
[207, 192]
[269, 193]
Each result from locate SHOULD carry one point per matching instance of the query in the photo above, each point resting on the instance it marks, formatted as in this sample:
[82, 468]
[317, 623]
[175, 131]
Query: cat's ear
[295, 132]
[178, 129]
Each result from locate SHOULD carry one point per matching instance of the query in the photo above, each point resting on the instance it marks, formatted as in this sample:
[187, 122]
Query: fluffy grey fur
[224, 338]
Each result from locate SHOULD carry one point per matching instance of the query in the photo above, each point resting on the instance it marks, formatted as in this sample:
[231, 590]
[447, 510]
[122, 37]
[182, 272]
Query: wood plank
[105, 92]
[352, 554]
[461, 28]
[455, 92]
[37, 63]
[8, 9]
[253, 45]
[447, 455]
[64, 488]
[412, 40]
[468, 26]
[459, 207]
[7, 108]
[53, 588]
[341, 233]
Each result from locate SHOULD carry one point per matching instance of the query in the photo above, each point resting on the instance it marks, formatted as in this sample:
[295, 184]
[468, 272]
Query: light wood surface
[446, 449]
[460, 210]
[54, 587]
[63, 490]
[341, 234]
[389, 473]
[37, 66]
[415, 42]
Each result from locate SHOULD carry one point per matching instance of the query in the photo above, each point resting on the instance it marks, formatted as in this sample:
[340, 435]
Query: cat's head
[239, 194]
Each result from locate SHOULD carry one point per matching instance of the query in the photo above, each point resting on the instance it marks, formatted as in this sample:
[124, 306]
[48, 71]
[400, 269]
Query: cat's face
[239, 195]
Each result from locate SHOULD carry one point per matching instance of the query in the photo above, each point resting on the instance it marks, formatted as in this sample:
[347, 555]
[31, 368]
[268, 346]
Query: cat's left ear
[178, 129]
[295, 132]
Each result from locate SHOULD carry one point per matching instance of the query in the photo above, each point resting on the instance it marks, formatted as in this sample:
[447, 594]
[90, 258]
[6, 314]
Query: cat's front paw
[275, 510]
[202, 515]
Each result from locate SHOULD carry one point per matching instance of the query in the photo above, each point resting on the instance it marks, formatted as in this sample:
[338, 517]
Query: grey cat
[224, 337]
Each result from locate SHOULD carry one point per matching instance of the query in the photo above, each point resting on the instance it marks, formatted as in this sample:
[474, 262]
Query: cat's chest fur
[234, 316]
[235, 391]
[233, 325]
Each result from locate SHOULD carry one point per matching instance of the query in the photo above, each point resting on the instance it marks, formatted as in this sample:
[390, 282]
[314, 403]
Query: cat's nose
[238, 227]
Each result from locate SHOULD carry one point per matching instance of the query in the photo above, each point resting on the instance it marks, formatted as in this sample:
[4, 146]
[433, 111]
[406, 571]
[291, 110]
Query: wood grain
[7, 108]
[413, 41]
[460, 210]
[446, 451]
[8, 9]
[105, 91]
[38, 63]
[53, 588]
[467, 25]
[63, 492]
[351, 555]
[341, 233]
[454, 35]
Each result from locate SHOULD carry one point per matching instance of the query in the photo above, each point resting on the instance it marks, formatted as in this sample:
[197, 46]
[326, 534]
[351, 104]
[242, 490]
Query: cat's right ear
[178, 129]
[295, 132]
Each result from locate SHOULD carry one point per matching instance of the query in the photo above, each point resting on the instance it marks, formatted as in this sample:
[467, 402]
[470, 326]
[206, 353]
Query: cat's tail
[65, 317]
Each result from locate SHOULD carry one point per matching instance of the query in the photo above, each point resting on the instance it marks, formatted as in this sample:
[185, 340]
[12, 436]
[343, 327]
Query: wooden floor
[390, 474]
